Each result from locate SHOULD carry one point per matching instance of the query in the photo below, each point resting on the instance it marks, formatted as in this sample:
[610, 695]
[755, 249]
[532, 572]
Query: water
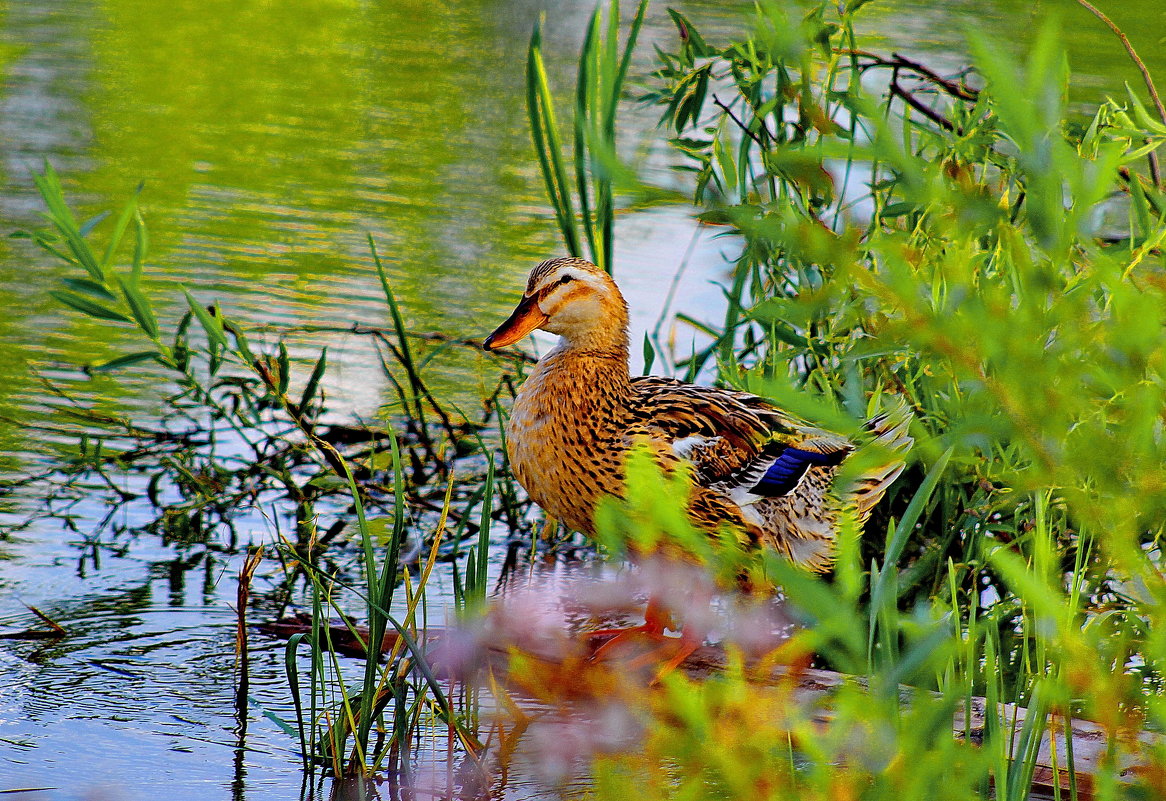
[271, 140]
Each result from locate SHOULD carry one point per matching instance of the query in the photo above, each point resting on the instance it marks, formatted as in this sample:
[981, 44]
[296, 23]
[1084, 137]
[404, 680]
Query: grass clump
[966, 243]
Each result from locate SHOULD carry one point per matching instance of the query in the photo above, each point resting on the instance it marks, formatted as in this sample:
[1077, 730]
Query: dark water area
[271, 139]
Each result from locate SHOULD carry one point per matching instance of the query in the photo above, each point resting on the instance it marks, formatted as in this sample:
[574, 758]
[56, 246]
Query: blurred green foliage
[1000, 268]
[967, 243]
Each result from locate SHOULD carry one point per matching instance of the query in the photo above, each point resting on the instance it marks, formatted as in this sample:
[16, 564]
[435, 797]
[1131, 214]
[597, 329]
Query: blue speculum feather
[787, 470]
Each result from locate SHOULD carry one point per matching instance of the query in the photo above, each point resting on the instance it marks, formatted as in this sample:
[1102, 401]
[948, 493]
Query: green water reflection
[272, 137]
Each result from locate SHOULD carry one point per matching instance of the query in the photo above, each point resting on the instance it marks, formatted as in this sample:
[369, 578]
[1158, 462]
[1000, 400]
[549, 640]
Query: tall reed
[603, 68]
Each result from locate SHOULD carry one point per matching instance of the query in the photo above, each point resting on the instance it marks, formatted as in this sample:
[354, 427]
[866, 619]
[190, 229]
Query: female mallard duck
[754, 467]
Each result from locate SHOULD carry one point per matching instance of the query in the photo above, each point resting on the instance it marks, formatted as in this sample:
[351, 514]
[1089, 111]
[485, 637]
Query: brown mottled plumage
[579, 412]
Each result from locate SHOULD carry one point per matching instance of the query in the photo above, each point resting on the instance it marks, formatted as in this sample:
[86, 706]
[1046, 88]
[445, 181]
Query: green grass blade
[141, 245]
[313, 384]
[292, 671]
[124, 361]
[919, 500]
[404, 349]
[128, 213]
[544, 129]
[626, 59]
[89, 307]
[140, 307]
[90, 288]
[63, 220]
[586, 90]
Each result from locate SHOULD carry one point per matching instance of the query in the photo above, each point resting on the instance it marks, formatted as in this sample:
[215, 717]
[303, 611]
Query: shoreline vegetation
[961, 241]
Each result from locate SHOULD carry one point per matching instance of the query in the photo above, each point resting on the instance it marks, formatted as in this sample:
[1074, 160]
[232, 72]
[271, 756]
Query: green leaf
[915, 508]
[88, 226]
[242, 344]
[139, 307]
[328, 482]
[1140, 207]
[87, 306]
[88, 287]
[381, 529]
[283, 360]
[50, 188]
[1142, 116]
[314, 380]
[893, 210]
[724, 156]
[141, 244]
[212, 325]
[124, 361]
[291, 670]
[119, 229]
[63, 220]
[547, 144]
[649, 355]
[693, 41]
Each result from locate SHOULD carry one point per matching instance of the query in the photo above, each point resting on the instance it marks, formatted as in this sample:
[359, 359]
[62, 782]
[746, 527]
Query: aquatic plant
[234, 396]
[598, 89]
[968, 243]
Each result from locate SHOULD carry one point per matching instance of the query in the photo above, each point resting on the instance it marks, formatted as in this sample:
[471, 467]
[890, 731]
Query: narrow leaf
[314, 380]
[139, 307]
[141, 244]
[88, 226]
[212, 325]
[87, 306]
[128, 213]
[89, 287]
[123, 361]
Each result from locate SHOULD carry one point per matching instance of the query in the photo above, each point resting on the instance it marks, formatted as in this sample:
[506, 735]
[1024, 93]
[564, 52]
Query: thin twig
[922, 108]
[1141, 65]
[897, 62]
[717, 102]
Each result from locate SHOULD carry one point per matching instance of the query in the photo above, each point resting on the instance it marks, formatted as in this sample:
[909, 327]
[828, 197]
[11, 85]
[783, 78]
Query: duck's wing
[738, 444]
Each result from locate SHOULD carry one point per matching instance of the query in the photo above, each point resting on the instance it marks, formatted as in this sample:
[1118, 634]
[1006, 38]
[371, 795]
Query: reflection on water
[272, 139]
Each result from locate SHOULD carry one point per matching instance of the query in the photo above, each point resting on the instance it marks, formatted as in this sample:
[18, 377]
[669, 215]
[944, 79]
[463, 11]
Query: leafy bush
[967, 244]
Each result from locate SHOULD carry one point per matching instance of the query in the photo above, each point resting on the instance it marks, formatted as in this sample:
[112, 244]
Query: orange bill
[525, 318]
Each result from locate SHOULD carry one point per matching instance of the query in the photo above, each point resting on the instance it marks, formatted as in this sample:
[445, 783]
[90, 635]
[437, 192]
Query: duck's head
[572, 298]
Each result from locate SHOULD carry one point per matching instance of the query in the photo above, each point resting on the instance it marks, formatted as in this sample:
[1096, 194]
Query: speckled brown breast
[566, 435]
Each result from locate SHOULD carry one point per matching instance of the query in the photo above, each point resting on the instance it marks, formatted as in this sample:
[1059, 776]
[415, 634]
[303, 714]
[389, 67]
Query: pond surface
[272, 139]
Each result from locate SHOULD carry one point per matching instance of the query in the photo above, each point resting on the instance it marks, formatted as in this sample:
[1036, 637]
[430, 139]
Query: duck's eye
[566, 279]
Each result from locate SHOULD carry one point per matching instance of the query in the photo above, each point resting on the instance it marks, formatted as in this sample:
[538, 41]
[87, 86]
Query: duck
[755, 469]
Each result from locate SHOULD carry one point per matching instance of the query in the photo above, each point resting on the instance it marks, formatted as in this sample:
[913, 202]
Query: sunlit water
[272, 139]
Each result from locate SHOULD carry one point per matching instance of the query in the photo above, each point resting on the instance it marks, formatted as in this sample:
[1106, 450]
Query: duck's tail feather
[889, 429]
[803, 523]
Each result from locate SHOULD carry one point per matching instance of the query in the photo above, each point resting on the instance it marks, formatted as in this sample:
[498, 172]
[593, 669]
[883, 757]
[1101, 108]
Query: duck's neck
[592, 370]
[607, 358]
